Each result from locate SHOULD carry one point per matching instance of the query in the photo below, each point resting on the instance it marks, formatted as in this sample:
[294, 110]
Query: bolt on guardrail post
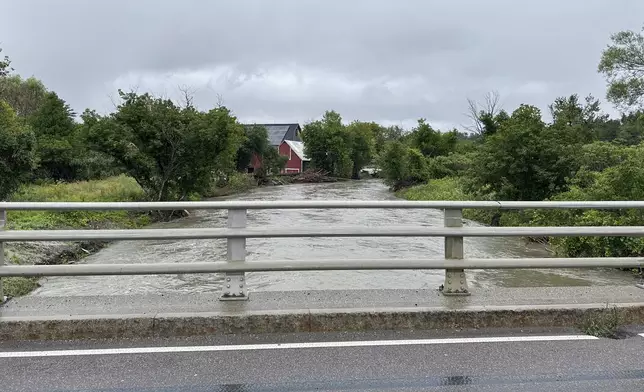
[234, 286]
[455, 279]
[3, 220]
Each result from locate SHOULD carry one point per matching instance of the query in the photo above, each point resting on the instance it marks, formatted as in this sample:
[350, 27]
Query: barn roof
[280, 132]
[297, 148]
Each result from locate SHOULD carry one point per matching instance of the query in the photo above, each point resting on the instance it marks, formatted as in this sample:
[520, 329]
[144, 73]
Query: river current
[187, 251]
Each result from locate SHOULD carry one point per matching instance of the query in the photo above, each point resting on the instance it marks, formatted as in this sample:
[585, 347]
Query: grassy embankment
[121, 188]
[450, 189]
[447, 188]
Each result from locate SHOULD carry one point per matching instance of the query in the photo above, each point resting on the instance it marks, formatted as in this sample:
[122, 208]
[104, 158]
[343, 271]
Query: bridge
[394, 330]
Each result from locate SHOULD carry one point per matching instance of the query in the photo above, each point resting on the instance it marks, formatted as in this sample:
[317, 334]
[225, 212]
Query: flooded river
[309, 248]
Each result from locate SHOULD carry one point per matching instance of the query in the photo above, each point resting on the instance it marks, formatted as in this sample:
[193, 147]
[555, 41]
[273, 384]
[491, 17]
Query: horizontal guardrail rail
[332, 231]
[236, 233]
[313, 265]
[316, 204]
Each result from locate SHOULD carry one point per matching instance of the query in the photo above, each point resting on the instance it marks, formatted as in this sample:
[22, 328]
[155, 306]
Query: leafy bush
[328, 144]
[624, 181]
[523, 160]
[235, 182]
[171, 152]
[256, 143]
[17, 151]
[394, 164]
[54, 127]
[24, 95]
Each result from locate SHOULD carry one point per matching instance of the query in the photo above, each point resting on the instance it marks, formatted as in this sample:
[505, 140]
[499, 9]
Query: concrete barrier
[320, 320]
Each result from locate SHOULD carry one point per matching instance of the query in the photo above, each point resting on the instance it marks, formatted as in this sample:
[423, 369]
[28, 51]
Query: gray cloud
[290, 60]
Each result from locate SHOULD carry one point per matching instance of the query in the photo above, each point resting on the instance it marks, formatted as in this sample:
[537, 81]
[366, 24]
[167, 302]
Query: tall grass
[447, 189]
[120, 188]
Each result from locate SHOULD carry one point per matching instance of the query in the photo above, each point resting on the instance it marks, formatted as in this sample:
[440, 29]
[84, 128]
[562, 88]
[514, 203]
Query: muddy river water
[332, 248]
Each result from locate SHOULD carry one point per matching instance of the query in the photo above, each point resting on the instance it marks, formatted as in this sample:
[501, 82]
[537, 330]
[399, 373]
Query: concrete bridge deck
[52, 317]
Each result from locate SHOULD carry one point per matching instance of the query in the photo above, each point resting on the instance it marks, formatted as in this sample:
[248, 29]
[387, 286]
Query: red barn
[277, 133]
[297, 162]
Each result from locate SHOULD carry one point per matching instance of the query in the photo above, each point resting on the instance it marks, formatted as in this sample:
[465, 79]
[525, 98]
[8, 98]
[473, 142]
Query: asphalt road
[386, 361]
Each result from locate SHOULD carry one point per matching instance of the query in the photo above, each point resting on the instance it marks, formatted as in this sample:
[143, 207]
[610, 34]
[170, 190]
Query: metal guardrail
[236, 234]
[317, 204]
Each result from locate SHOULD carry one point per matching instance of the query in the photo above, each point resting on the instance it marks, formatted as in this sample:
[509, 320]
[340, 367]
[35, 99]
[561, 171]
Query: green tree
[450, 165]
[622, 64]
[417, 166]
[432, 143]
[394, 164]
[426, 139]
[600, 156]
[171, 152]
[256, 143]
[5, 66]
[17, 157]
[491, 122]
[607, 130]
[622, 181]
[54, 127]
[328, 144]
[362, 145]
[207, 148]
[393, 132]
[486, 117]
[25, 96]
[522, 161]
[272, 162]
[382, 135]
[631, 130]
[91, 164]
[575, 121]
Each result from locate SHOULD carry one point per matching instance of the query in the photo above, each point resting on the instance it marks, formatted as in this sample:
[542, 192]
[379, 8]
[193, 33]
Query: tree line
[580, 153]
[176, 152]
[173, 151]
[343, 150]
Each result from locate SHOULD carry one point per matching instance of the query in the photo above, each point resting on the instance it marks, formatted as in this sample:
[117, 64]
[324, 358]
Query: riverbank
[115, 189]
[121, 188]
[449, 188]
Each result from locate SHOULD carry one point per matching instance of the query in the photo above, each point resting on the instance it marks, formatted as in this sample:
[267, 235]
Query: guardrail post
[3, 220]
[234, 286]
[455, 279]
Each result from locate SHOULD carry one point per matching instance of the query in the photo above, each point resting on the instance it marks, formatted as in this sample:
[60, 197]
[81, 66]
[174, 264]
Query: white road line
[304, 345]
[642, 335]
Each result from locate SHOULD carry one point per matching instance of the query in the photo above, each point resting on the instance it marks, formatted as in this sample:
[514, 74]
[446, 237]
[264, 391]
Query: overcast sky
[289, 61]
